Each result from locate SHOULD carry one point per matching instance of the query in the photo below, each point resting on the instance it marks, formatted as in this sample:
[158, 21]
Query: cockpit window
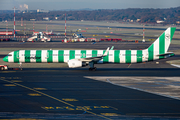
[9, 54]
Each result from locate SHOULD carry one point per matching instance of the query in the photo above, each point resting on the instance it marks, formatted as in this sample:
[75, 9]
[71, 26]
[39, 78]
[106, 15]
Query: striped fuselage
[60, 56]
[157, 50]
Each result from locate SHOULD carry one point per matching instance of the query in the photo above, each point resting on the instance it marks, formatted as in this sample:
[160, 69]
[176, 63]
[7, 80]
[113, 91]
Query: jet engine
[76, 63]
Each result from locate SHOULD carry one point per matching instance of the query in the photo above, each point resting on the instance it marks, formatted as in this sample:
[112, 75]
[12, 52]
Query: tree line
[145, 15]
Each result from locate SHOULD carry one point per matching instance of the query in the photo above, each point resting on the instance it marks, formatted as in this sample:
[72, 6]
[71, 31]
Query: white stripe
[44, 56]
[66, 55]
[122, 56]
[111, 56]
[156, 49]
[55, 55]
[133, 56]
[167, 38]
[22, 56]
[32, 54]
[176, 65]
[11, 58]
[100, 53]
[88, 53]
[77, 54]
[145, 55]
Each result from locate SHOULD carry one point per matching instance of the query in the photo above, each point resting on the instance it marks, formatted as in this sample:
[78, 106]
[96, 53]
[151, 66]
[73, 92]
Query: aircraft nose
[5, 59]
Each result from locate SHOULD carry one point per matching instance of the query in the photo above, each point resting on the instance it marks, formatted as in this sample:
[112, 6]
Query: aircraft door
[145, 56]
[49, 56]
[16, 56]
[122, 56]
[44, 56]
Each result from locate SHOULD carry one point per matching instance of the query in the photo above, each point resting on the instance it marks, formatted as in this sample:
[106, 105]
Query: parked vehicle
[3, 67]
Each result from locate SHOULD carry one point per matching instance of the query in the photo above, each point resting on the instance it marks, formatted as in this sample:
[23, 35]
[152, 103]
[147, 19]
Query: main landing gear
[92, 68]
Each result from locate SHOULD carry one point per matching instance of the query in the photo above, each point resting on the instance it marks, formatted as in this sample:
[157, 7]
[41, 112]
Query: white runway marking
[176, 65]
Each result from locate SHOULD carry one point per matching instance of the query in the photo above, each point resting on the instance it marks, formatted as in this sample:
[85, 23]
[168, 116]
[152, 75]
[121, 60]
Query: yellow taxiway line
[17, 84]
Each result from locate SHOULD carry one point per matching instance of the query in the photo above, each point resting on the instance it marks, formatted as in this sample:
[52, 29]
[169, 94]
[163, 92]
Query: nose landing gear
[20, 66]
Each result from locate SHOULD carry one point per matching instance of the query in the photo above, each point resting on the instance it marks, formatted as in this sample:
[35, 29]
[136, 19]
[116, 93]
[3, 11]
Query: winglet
[105, 54]
[112, 47]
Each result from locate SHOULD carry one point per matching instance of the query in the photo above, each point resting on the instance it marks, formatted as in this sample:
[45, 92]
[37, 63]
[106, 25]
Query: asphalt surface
[82, 45]
[67, 94]
[79, 45]
[107, 26]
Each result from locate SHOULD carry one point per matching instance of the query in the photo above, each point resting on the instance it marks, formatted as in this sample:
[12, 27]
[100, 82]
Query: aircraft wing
[94, 59]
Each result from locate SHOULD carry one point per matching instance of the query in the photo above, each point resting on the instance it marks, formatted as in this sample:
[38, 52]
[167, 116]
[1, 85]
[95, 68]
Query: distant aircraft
[40, 36]
[80, 58]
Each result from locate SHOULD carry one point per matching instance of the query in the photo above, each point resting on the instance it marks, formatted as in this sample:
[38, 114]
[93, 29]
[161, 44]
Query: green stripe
[72, 54]
[83, 53]
[116, 56]
[27, 56]
[94, 53]
[106, 58]
[49, 56]
[162, 45]
[16, 56]
[139, 56]
[128, 56]
[61, 56]
[172, 32]
[38, 56]
[151, 52]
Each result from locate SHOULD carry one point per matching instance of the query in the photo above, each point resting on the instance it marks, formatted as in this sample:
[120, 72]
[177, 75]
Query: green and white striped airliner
[80, 58]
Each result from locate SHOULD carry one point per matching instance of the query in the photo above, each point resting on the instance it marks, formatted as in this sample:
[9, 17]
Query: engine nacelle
[76, 63]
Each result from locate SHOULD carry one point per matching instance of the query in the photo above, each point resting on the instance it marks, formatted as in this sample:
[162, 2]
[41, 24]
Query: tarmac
[81, 45]
[69, 94]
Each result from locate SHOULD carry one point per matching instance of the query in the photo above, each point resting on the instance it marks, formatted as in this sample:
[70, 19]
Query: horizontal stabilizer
[168, 53]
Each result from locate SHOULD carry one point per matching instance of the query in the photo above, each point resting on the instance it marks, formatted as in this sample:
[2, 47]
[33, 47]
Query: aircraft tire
[92, 69]
[95, 68]
[2, 68]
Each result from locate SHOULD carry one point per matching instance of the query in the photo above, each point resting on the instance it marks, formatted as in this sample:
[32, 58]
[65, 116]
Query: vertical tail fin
[161, 45]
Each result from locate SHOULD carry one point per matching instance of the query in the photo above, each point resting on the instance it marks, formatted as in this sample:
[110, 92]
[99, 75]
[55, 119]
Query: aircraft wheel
[95, 68]
[92, 69]
[2, 68]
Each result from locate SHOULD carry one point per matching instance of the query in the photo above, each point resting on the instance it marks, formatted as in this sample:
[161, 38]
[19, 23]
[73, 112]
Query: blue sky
[92, 4]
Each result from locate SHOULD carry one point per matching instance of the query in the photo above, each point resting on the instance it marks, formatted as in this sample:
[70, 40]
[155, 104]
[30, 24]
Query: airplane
[80, 58]
[40, 36]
